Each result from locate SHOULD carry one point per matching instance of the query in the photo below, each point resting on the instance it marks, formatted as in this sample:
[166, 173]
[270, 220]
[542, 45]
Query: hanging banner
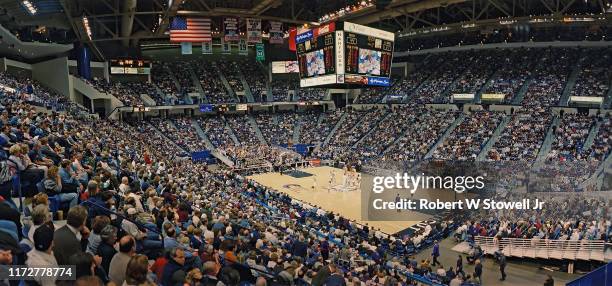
[230, 26]
[186, 48]
[207, 48]
[226, 48]
[242, 47]
[253, 30]
[276, 32]
[260, 52]
[292, 35]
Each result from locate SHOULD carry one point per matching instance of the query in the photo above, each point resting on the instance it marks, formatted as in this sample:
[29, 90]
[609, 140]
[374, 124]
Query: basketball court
[300, 184]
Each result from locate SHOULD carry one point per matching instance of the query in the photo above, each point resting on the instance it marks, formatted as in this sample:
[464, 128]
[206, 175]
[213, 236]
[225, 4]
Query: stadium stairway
[498, 130]
[478, 95]
[247, 88]
[333, 131]
[597, 179]
[231, 131]
[226, 84]
[518, 98]
[147, 100]
[401, 135]
[297, 128]
[202, 134]
[591, 136]
[267, 75]
[174, 79]
[445, 94]
[386, 117]
[161, 94]
[166, 137]
[255, 127]
[92, 93]
[442, 138]
[548, 140]
[269, 94]
[571, 82]
[608, 100]
[209, 145]
[198, 86]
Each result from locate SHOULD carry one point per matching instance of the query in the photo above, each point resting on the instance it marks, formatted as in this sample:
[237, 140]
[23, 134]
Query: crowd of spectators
[421, 132]
[128, 93]
[508, 35]
[34, 93]
[193, 222]
[355, 125]
[515, 69]
[570, 136]
[282, 86]
[160, 75]
[568, 217]
[180, 131]
[474, 77]
[231, 71]
[550, 77]
[310, 94]
[277, 128]
[373, 144]
[256, 79]
[594, 76]
[523, 136]
[216, 130]
[602, 143]
[469, 137]
[241, 126]
[196, 223]
[211, 83]
[316, 126]
[181, 71]
[435, 89]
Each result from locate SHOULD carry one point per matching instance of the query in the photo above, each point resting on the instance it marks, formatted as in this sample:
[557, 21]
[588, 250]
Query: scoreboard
[130, 66]
[344, 53]
[316, 51]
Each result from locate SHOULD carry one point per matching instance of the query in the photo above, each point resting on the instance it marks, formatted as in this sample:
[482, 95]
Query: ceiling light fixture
[30, 7]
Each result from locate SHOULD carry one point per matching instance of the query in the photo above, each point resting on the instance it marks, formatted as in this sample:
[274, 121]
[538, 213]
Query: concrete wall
[54, 75]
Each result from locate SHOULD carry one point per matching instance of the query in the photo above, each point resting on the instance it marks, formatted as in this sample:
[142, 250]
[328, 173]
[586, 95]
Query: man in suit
[210, 272]
[300, 248]
[71, 238]
[502, 266]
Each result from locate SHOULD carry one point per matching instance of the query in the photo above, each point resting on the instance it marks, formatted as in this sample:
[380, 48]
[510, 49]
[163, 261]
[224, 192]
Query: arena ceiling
[122, 23]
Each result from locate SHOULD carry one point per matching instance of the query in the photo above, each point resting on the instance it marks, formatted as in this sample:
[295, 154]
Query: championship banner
[207, 48]
[226, 48]
[242, 47]
[186, 48]
[260, 56]
[292, 36]
[253, 30]
[230, 26]
[276, 32]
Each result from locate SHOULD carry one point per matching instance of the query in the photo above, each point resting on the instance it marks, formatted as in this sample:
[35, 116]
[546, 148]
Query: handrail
[545, 248]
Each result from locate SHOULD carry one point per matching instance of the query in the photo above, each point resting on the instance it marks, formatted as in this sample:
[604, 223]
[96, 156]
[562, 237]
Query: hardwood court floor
[347, 204]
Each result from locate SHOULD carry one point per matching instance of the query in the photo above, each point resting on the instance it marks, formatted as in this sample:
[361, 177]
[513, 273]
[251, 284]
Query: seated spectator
[53, 187]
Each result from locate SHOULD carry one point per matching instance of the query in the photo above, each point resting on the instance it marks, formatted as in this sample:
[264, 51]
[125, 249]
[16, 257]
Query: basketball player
[314, 183]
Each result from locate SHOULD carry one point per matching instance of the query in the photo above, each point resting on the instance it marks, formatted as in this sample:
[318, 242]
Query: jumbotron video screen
[344, 53]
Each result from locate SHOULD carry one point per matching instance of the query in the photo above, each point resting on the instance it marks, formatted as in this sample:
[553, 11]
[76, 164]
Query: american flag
[190, 30]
